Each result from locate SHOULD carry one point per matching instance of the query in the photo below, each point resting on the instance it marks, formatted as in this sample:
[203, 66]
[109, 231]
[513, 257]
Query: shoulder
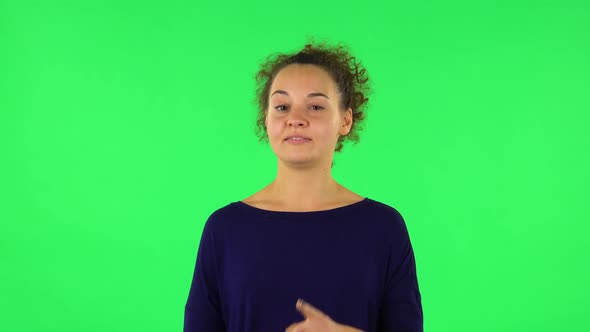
[220, 217]
[382, 210]
[386, 216]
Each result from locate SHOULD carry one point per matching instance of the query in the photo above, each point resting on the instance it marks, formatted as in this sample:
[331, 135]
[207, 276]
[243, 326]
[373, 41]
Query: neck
[303, 187]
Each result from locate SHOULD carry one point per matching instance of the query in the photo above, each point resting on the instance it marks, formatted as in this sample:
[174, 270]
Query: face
[304, 100]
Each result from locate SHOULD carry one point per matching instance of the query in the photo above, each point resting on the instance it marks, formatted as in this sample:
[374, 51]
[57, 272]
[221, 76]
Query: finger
[309, 310]
[295, 327]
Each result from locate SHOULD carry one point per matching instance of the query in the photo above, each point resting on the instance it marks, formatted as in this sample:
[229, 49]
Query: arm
[202, 309]
[401, 309]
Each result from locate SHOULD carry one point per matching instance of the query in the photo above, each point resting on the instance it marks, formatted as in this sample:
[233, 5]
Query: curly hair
[349, 75]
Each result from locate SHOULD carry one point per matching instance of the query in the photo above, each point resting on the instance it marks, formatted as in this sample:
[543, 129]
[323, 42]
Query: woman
[304, 236]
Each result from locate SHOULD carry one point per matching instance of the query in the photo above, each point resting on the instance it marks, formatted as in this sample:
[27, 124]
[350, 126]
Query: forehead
[303, 77]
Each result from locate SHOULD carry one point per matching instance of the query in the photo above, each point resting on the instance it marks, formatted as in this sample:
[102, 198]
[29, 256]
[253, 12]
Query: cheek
[326, 131]
[273, 128]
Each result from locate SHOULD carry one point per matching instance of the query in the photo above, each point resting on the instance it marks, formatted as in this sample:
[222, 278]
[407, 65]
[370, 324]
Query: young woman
[304, 236]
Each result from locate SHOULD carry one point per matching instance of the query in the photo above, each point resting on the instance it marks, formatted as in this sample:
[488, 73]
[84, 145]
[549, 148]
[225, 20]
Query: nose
[296, 122]
[296, 118]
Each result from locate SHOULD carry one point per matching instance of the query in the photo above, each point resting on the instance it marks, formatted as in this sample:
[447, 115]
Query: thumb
[309, 311]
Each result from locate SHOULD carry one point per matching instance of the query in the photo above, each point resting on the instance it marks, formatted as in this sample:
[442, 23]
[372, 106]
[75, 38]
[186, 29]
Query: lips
[298, 137]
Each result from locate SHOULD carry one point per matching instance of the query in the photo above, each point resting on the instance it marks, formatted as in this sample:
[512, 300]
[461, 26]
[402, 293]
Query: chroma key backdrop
[125, 124]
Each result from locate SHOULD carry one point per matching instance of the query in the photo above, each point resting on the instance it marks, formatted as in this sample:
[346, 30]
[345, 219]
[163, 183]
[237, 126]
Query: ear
[346, 122]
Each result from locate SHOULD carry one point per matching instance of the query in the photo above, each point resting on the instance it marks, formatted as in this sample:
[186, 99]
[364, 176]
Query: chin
[294, 160]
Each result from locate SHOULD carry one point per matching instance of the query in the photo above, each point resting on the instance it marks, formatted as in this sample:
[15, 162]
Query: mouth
[297, 137]
[297, 140]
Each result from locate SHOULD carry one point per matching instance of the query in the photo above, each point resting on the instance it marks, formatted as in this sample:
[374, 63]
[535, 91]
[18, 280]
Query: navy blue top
[354, 263]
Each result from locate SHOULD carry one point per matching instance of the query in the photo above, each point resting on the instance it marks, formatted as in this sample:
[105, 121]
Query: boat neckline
[344, 208]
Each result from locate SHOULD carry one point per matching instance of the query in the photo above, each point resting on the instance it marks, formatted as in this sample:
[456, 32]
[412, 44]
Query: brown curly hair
[350, 76]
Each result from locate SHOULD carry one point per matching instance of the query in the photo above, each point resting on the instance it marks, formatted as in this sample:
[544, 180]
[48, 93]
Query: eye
[277, 107]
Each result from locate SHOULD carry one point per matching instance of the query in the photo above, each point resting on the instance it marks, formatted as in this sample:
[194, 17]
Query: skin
[316, 321]
[304, 181]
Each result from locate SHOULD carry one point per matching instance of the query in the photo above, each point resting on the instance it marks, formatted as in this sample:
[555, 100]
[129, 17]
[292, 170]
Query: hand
[316, 321]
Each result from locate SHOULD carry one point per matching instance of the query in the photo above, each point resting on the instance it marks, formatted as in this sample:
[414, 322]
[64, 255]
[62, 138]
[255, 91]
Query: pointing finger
[308, 310]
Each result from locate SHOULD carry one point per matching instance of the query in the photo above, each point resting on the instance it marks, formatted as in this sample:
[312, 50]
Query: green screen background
[125, 124]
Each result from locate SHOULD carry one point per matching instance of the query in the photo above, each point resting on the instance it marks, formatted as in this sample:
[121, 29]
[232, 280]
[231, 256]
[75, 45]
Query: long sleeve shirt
[354, 263]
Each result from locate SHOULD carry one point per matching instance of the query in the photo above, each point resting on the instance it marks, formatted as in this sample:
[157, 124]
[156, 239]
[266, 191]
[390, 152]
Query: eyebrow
[313, 94]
